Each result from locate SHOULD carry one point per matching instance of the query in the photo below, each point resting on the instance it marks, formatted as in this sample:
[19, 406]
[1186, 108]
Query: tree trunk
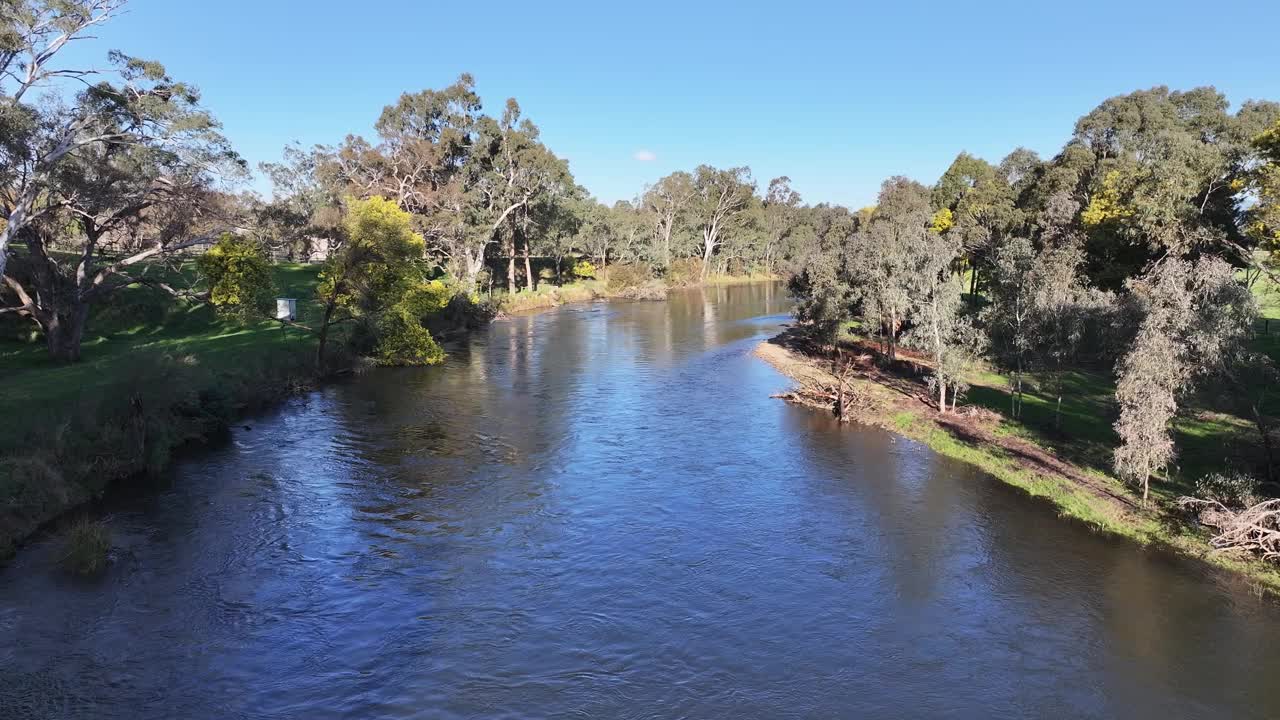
[942, 396]
[324, 334]
[64, 332]
[893, 335]
[528, 271]
[511, 269]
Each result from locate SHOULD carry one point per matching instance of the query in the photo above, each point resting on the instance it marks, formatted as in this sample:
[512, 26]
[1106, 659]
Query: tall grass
[87, 547]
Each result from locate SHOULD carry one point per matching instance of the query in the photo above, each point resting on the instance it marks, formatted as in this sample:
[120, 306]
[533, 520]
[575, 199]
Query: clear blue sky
[834, 96]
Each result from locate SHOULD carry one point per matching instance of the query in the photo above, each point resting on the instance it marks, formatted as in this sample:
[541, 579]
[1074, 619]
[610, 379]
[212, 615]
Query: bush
[583, 269]
[427, 299]
[653, 289]
[685, 271]
[1232, 488]
[402, 340]
[628, 275]
[87, 547]
[239, 276]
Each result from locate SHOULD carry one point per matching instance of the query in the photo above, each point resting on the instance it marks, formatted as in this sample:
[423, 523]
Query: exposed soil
[901, 388]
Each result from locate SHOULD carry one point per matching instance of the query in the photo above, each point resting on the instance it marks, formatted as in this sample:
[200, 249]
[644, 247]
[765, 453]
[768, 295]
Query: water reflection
[600, 512]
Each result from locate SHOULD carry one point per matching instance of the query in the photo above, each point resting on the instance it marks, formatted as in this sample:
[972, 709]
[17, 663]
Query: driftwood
[1255, 528]
[839, 396]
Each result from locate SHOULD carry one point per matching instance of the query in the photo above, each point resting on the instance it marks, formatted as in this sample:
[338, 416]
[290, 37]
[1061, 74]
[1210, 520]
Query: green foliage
[583, 269]
[426, 299]
[628, 275]
[684, 271]
[1231, 488]
[1195, 318]
[239, 276]
[87, 547]
[402, 340]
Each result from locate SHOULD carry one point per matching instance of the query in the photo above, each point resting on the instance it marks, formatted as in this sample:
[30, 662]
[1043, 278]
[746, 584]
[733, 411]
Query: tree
[668, 200]
[1161, 172]
[781, 220]
[1262, 221]
[302, 218]
[37, 140]
[937, 325]
[515, 172]
[374, 269]
[1009, 318]
[978, 202]
[1194, 317]
[238, 273]
[108, 171]
[720, 202]
[889, 256]
[819, 278]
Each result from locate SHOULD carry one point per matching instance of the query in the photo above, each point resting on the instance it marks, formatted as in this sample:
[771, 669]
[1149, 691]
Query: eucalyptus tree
[819, 277]
[720, 205]
[782, 219]
[981, 212]
[37, 139]
[1194, 317]
[1165, 177]
[141, 190]
[305, 207]
[888, 256]
[1010, 317]
[512, 171]
[937, 323]
[430, 159]
[668, 201]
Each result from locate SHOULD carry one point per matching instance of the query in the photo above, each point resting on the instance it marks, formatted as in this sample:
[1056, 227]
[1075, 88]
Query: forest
[1136, 255]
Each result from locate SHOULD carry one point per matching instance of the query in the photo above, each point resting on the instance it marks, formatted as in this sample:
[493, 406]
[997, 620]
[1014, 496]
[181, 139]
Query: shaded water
[599, 512]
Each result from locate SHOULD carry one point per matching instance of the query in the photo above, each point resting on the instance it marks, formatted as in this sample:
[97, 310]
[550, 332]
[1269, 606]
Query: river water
[599, 512]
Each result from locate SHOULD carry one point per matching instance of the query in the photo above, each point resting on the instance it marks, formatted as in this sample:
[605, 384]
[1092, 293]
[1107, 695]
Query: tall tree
[103, 208]
[35, 141]
[668, 200]
[782, 218]
[720, 203]
[1194, 315]
[888, 255]
[979, 201]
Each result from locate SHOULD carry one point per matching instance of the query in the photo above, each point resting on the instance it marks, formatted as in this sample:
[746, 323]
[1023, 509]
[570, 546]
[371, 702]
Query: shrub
[426, 299]
[402, 340]
[1231, 488]
[583, 269]
[239, 277]
[628, 275]
[685, 271]
[652, 289]
[87, 547]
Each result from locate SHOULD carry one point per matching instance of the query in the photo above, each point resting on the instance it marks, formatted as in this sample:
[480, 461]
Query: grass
[137, 323]
[1209, 435]
[88, 546]
[1068, 496]
[155, 374]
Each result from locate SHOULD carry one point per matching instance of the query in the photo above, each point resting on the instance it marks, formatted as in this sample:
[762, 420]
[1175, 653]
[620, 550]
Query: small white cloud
[645, 156]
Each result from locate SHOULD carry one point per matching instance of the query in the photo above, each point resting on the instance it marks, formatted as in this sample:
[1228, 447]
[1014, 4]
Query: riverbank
[985, 440]
[549, 296]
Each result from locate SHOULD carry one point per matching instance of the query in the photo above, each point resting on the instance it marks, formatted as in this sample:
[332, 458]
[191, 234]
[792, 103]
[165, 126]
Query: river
[600, 512]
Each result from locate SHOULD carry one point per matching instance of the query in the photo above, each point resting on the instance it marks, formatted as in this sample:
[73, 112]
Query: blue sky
[835, 96]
